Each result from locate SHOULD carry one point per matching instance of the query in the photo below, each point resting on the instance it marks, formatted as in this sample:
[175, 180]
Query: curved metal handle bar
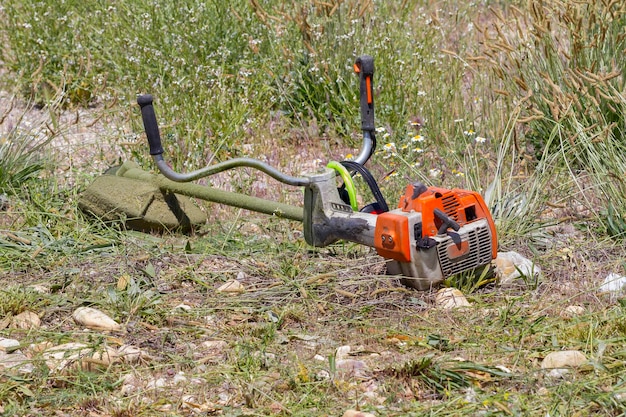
[169, 173]
[156, 150]
[366, 150]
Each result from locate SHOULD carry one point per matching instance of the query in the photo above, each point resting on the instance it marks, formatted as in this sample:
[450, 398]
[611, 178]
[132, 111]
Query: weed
[469, 281]
[137, 298]
[21, 157]
[15, 299]
[563, 70]
[18, 165]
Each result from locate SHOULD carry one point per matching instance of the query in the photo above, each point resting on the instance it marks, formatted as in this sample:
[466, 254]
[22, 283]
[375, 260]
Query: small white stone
[156, 383]
[356, 413]
[67, 355]
[130, 379]
[319, 357]
[503, 368]
[563, 359]
[323, 374]
[510, 267]
[106, 357]
[215, 344]
[470, 395]
[40, 288]
[179, 378]
[342, 352]
[351, 368]
[572, 311]
[127, 389]
[130, 384]
[558, 373]
[95, 319]
[16, 361]
[449, 298]
[8, 344]
[613, 284]
[231, 287]
[26, 320]
[210, 320]
[224, 397]
[130, 354]
[188, 400]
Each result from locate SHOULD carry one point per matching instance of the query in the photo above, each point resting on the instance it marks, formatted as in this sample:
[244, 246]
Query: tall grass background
[522, 102]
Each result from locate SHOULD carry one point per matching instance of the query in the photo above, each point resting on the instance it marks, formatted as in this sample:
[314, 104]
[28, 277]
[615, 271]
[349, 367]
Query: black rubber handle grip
[364, 66]
[448, 222]
[150, 124]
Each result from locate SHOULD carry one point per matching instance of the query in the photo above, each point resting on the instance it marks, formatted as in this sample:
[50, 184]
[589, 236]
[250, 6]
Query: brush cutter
[433, 233]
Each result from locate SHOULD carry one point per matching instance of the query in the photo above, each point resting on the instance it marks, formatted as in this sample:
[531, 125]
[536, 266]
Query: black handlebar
[150, 124]
[364, 66]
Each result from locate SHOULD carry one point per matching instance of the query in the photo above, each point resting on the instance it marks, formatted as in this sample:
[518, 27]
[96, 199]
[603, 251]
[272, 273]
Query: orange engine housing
[462, 206]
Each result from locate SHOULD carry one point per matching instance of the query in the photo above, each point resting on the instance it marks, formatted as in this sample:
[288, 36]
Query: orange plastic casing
[461, 205]
[392, 238]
